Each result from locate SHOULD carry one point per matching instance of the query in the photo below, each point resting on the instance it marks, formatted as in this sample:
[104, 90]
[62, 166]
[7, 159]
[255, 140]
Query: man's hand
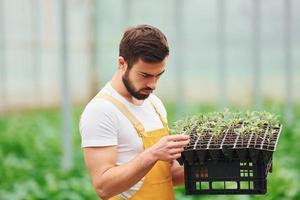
[169, 147]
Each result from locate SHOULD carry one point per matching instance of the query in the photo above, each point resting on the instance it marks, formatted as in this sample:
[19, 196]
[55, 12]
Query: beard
[132, 90]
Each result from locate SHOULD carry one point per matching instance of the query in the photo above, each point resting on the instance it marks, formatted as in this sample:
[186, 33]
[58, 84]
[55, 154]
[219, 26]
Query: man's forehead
[141, 65]
[153, 72]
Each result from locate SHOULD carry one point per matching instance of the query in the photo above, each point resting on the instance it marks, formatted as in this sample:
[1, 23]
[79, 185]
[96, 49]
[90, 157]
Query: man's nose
[152, 83]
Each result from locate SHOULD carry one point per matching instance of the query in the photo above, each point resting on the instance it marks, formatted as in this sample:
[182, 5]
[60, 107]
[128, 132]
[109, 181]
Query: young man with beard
[125, 137]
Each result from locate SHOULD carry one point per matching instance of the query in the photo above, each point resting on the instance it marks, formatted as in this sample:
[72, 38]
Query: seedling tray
[233, 164]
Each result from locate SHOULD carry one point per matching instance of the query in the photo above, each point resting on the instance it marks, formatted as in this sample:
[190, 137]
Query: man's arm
[110, 180]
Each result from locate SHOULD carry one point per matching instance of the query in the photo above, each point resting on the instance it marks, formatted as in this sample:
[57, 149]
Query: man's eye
[146, 75]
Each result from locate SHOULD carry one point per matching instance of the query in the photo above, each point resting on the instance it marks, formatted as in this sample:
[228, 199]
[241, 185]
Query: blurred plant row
[30, 155]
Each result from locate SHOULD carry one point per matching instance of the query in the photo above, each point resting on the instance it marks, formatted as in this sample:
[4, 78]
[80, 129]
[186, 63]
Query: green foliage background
[30, 153]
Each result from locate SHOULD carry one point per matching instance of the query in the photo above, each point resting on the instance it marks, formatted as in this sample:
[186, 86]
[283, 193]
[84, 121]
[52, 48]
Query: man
[127, 147]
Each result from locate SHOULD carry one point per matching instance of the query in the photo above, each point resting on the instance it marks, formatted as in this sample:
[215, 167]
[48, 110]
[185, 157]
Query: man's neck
[117, 83]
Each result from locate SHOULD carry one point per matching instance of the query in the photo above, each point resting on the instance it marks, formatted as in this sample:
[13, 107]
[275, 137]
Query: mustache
[148, 88]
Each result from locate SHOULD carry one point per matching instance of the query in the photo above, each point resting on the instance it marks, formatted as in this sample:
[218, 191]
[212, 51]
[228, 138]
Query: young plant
[216, 124]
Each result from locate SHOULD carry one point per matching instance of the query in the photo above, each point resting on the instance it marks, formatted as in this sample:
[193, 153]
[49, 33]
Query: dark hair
[145, 42]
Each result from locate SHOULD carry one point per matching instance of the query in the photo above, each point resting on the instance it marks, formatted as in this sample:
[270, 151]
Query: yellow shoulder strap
[163, 121]
[136, 123]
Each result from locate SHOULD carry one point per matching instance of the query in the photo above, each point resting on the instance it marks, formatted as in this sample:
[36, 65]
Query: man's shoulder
[98, 107]
[156, 100]
[158, 103]
[98, 124]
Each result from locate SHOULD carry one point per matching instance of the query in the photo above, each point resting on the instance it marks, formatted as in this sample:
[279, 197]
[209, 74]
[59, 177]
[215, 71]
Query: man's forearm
[120, 178]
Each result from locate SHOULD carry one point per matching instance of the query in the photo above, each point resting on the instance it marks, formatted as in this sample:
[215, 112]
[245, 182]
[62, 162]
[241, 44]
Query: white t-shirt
[102, 124]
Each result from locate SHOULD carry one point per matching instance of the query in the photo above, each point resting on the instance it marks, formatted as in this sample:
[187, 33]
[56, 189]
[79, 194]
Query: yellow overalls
[157, 183]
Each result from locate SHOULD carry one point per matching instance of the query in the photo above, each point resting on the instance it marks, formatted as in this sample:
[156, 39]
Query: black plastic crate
[226, 176]
[232, 165]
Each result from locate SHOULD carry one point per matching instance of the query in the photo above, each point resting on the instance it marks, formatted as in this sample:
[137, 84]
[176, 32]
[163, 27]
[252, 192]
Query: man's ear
[122, 64]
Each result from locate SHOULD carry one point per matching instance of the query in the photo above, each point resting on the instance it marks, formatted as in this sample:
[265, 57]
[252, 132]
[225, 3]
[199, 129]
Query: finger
[175, 156]
[178, 144]
[176, 151]
[178, 137]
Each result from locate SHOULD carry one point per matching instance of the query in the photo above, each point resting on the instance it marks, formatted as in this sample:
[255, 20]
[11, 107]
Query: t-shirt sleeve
[98, 125]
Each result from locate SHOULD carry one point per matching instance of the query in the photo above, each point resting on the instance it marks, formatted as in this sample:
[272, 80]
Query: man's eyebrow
[144, 73]
[161, 73]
